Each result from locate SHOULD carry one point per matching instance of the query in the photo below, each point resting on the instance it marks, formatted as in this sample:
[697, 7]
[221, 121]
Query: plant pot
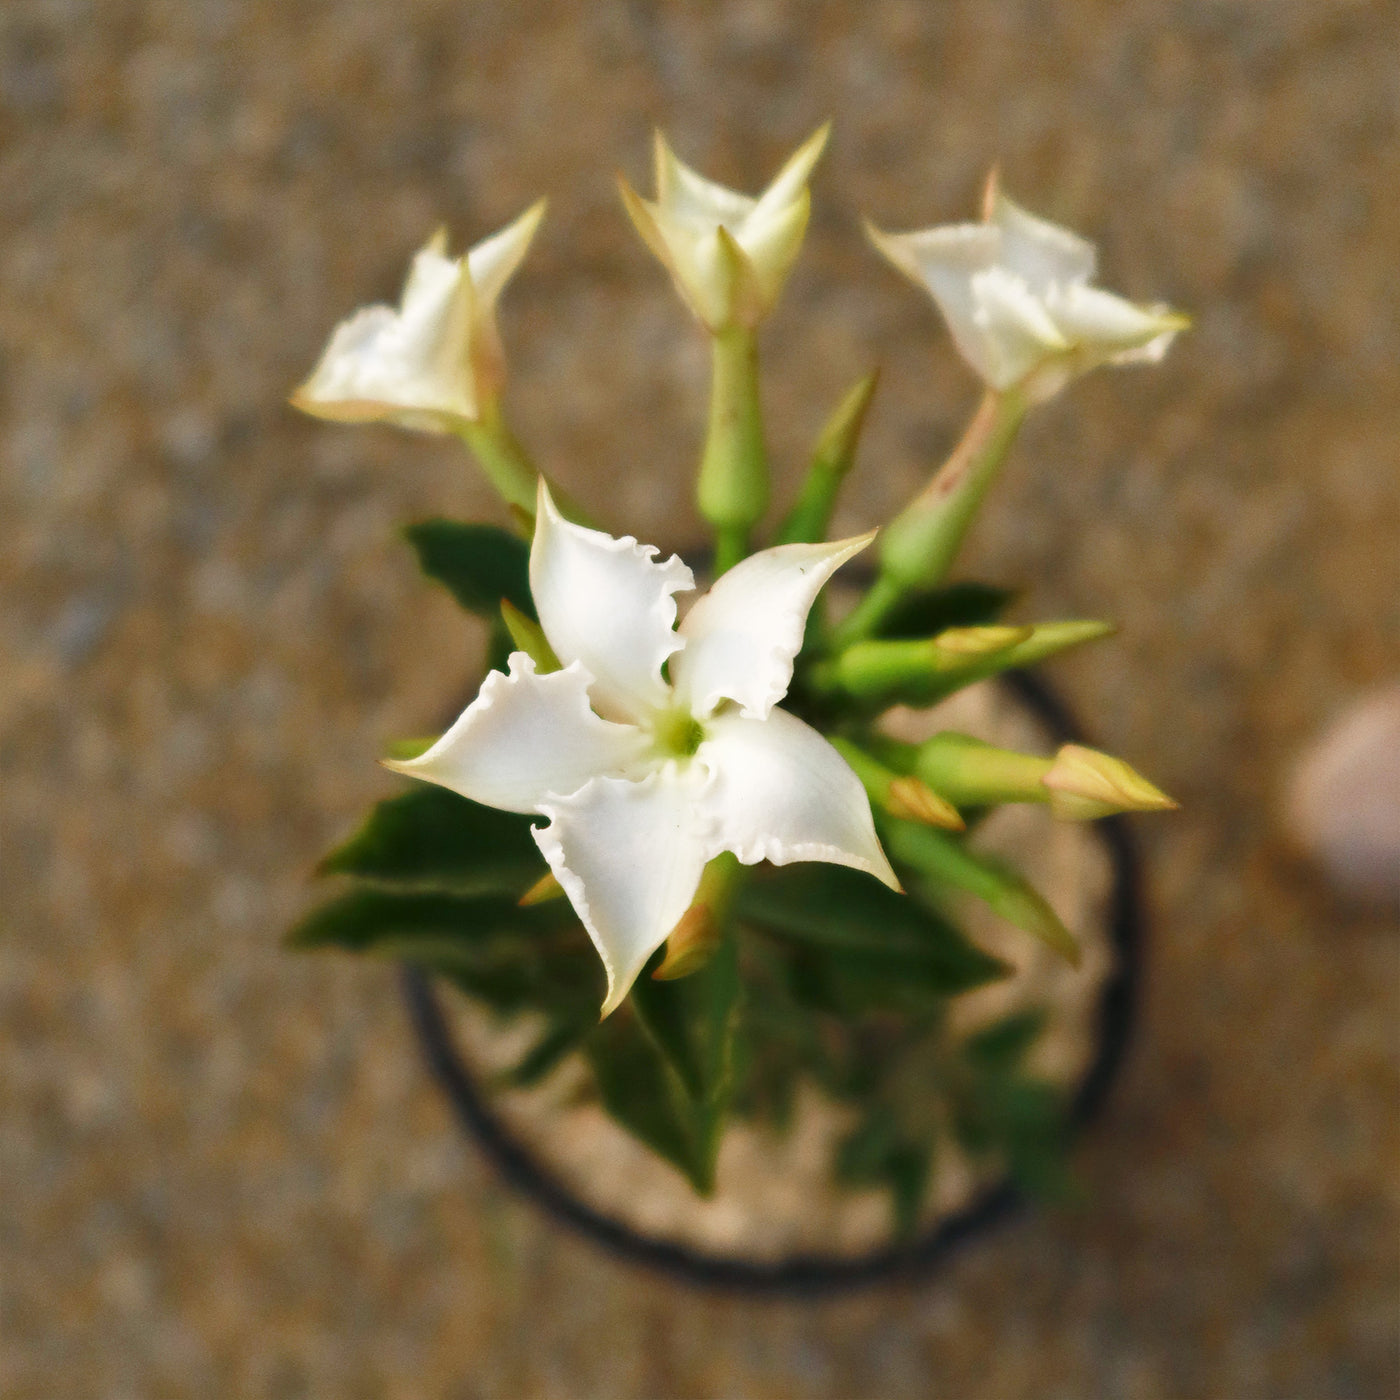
[760, 1237]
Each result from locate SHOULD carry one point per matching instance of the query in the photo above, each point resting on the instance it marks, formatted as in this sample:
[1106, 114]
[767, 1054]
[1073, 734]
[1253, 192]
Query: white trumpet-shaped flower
[656, 748]
[728, 253]
[437, 360]
[1015, 291]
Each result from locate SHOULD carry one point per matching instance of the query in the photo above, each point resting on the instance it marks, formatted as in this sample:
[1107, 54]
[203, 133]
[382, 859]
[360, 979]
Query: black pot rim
[807, 1275]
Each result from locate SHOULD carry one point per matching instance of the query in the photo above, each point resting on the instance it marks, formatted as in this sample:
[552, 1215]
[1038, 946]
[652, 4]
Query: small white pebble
[1343, 803]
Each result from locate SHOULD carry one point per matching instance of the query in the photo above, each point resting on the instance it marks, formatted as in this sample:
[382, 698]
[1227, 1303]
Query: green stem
[974, 774]
[505, 462]
[875, 605]
[923, 672]
[899, 795]
[732, 489]
[919, 545]
[832, 459]
[947, 860]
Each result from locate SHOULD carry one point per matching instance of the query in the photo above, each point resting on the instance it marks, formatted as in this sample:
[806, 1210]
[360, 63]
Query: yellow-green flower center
[677, 733]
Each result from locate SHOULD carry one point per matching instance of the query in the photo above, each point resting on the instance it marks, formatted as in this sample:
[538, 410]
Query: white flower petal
[790, 183]
[1014, 290]
[629, 856]
[433, 360]
[735, 284]
[608, 604]
[782, 793]
[359, 374]
[944, 261]
[493, 261]
[772, 240]
[525, 737]
[930, 254]
[644, 215]
[1017, 331]
[401, 364]
[704, 274]
[742, 636]
[1041, 253]
[690, 197]
[1153, 352]
[433, 280]
[1102, 322]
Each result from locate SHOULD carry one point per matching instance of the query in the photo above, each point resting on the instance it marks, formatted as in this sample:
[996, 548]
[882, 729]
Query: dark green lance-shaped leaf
[861, 1154]
[364, 918]
[1023, 1121]
[692, 1020]
[877, 1153]
[948, 861]
[907, 1172]
[850, 912]
[499, 645]
[508, 957]
[1005, 1043]
[848, 982]
[642, 1093]
[479, 564]
[430, 836]
[564, 982]
[554, 1044]
[781, 1040]
[931, 610]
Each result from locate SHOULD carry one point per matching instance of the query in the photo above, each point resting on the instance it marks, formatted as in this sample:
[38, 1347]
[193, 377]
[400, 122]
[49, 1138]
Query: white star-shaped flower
[435, 361]
[1015, 290]
[728, 253]
[655, 748]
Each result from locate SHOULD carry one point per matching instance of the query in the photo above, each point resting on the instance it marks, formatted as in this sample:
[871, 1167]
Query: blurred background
[223, 1170]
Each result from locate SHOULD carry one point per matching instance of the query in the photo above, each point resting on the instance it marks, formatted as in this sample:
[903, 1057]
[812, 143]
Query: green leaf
[499, 645]
[430, 836]
[641, 1092]
[861, 1155]
[366, 918]
[563, 982]
[931, 610]
[781, 1040]
[877, 1153]
[479, 564]
[1022, 1120]
[874, 929]
[849, 983]
[553, 1046]
[498, 953]
[947, 860]
[1004, 1044]
[907, 1172]
[691, 1020]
